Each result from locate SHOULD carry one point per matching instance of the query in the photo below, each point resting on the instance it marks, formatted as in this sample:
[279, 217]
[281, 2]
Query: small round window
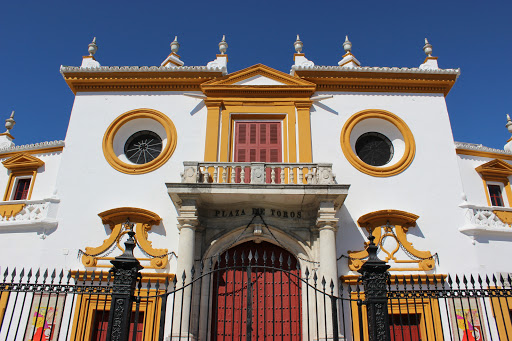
[374, 149]
[142, 147]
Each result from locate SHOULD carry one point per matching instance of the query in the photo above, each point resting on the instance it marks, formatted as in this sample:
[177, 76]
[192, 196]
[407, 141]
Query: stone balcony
[258, 173]
[31, 215]
[487, 220]
[224, 184]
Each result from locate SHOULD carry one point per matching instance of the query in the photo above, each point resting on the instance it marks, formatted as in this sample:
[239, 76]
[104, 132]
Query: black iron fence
[246, 294]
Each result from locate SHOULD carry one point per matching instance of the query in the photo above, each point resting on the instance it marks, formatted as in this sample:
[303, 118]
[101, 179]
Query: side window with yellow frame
[22, 169]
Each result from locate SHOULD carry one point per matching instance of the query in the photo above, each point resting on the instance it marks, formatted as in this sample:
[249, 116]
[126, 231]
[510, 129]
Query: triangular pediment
[259, 75]
[494, 170]
[23, 161]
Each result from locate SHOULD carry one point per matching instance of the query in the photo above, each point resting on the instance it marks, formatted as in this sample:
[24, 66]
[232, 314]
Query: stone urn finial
[427, 48]
[175, 46]
[298, 45]
[9, 123]
[93, 47]
[223, 46]
[347, 45]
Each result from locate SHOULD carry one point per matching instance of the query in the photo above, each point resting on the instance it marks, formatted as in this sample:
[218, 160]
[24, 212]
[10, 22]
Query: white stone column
[187, 224]
[327, 224]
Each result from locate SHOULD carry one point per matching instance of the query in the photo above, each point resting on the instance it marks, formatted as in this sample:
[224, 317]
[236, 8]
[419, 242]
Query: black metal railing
[252, 292]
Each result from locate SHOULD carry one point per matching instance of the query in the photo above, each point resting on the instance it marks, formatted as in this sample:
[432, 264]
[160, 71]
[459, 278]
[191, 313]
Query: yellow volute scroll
[116, 218]
[392, 224]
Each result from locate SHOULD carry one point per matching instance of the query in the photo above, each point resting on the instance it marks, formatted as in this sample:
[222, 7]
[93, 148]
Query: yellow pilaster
[212, 130]
[304, 130]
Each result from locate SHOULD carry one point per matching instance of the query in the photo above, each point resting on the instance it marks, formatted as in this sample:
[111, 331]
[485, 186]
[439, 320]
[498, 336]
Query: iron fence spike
[450, 282]
[148, 285]
[306, 272]
[192, 272]
[250, 256]
[54, 273]
[183, 276]
[157, 285]
[289, 262]
[13, 274]
[332, 284]
[45, 275]
[472, 280]
[509, 280]
[93, 276]
[234, 258]
[69, 276]
[457, 281]
[464, 280]
[139, 284]
[226, 257]
[256, 256]
[265, 257]
[61, 275]
[6, 273]
[272, 258]
[166, 283]
[502, 280]
[349, 288]
[22, 273]
[323, 282]
[100, 276]
[315, 277]
[174, 281]
[242, 257]
[109, 277]
[281, 259]
[494, 279]
[487, 280]
[479, 280]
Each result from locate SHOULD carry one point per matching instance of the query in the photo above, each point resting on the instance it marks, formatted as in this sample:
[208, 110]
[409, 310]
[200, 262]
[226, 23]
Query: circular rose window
[139, 141]
[374, 149]
[142, 147]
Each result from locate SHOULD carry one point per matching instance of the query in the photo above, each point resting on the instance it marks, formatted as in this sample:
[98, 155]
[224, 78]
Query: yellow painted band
[108, 141]
[397, 168]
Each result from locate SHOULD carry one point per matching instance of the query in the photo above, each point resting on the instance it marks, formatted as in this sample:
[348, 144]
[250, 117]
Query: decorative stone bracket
[392, 224]
[116, 218]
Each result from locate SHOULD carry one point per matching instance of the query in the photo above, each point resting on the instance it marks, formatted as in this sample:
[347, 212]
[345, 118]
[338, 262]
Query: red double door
[263, 300]
[258, 142]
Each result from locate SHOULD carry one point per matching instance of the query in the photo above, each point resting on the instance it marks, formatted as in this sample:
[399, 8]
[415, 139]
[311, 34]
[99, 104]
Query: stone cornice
[34, 148]
[135, 78]
[377, 79]
[473, 149]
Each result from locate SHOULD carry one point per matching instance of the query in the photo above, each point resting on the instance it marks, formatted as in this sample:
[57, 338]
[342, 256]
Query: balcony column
[188, 223]
[327, 225]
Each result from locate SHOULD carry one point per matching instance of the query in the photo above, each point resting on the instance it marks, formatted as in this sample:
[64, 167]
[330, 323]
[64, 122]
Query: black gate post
[126, 271]
[374, 277]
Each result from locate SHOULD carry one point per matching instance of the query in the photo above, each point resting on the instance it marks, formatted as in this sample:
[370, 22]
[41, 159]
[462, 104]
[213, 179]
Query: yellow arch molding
[398, 167]
[115, 218]
[395, 224]
[108, 141]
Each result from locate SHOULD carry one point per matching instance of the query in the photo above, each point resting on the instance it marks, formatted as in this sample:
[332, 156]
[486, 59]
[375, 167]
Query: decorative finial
[347, 45]
[508, 125]
[298, 45]
[175, 46]
[427, 48]
[93, 47]
[9, 123]
[223, 46]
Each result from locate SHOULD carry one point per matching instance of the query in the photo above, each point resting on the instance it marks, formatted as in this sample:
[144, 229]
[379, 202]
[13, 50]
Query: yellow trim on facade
[496, 170]
[88, 305]
[211, 148]
[108, 141]
[21, 164]
[398, 167]
[430, 319]
[501, 312]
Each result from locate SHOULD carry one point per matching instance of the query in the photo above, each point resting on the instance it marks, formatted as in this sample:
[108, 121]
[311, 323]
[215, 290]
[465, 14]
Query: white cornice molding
[33, 146]
[376, 69]
[66, 69]
[480, 147]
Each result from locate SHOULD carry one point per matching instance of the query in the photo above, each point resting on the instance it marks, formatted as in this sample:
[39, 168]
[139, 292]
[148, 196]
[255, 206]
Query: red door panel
[274, 295]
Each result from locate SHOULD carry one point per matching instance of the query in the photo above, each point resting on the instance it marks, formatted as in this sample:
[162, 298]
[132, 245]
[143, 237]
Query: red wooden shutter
[22, 187]
[258, 142]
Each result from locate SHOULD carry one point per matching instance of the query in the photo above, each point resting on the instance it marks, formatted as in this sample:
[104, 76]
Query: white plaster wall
[88, 185]
[430, 187]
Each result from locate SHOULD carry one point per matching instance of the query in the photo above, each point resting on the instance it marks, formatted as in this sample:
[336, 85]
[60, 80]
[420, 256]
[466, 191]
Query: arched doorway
[257, 291]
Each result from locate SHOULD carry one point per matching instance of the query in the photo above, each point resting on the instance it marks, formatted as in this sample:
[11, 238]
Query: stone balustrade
[485, 219]
[258, 173]
[25, 213]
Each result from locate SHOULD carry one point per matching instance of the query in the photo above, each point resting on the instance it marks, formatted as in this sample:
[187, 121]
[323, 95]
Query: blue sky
[39, 36]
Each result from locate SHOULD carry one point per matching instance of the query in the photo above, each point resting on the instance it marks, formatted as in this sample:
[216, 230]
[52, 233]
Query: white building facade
[202, 161]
